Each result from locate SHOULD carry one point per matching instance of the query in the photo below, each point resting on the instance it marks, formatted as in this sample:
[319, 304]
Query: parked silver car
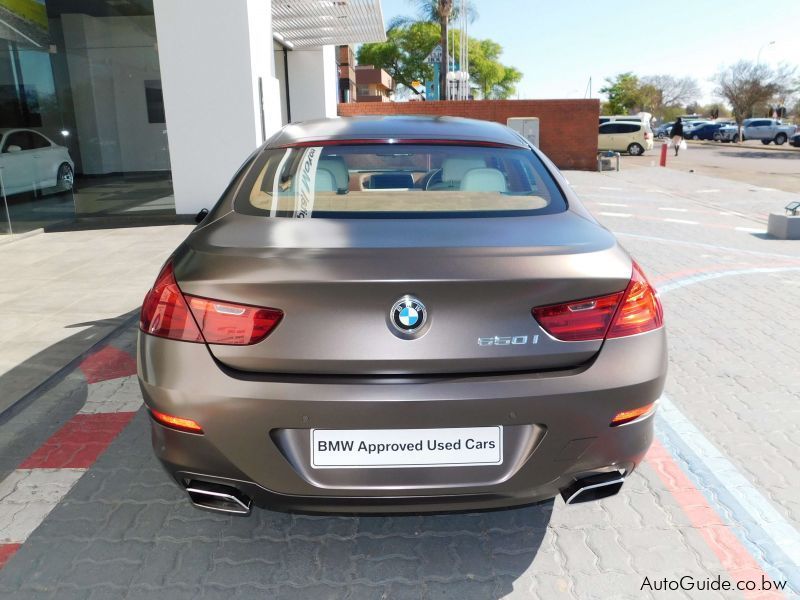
[767, 130]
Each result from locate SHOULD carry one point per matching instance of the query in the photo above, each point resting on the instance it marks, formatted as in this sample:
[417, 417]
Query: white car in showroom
[29, 161]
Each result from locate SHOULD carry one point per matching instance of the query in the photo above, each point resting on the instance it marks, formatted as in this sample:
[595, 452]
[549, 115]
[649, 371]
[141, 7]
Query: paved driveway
[86, 512]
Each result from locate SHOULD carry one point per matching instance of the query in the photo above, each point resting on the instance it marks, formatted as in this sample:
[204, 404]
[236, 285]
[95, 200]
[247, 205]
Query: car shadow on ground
[782, 154]
[126, 525]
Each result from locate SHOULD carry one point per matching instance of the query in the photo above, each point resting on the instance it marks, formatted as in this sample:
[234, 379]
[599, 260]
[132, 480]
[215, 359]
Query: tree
[746, 84]
[439, 12]
[409, 43]
[494, 79]
[623, 93]
[672, 91]
[403, 53]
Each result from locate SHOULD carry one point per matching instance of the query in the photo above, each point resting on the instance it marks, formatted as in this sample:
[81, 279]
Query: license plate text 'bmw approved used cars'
[375, 448]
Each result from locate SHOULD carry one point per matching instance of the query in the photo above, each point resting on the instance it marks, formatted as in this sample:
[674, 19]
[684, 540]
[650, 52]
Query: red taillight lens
[640, 310]
[165, 312]
[633, 311]
[578, 321]
[168, 313]
[233, 324]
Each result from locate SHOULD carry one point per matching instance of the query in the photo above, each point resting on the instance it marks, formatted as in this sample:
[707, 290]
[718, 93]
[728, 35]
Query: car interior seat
[453, 170]
[336, 166]
[325, 181]
[484, 180]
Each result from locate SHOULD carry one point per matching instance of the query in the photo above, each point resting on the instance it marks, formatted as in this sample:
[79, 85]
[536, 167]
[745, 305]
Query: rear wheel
[718, 137]
[735, 138]
[766, 142]
[695, 137]
[780, 139]
[65, 179]
[635, 149]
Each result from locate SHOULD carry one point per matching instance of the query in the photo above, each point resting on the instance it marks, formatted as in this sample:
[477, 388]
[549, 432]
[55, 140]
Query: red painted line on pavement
[108, 363]
[79, 442]
[733, 556]
[6, 552]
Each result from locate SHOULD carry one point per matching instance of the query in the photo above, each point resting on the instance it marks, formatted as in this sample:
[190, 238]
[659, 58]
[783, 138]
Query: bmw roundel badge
[408, 314]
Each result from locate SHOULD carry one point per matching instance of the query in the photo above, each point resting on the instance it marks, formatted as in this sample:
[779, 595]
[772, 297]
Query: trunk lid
[336, 281]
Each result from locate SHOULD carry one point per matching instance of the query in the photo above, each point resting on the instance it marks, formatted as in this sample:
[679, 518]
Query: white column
[313, 82]
[212, 54]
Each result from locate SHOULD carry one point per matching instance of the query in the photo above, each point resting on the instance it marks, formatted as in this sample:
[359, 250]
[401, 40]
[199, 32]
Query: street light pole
[758, 58]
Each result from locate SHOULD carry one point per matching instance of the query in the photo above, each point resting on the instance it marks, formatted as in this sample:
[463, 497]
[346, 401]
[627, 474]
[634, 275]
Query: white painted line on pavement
[674, 285]
[758, 508]
[652, 238]
[728, 485]
[750, 229]
[613, 214]
[709, 191]
[611, 204]
[613, 189]
[682, 221]
[28, 495]
[672, 209]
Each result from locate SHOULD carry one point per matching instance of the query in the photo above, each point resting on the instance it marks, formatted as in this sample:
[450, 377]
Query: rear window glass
[398, 181]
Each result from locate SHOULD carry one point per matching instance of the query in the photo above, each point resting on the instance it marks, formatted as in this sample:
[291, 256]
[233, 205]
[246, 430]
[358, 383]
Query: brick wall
[567, 128]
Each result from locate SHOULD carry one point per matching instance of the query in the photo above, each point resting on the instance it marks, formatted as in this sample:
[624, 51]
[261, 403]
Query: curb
[55, 378]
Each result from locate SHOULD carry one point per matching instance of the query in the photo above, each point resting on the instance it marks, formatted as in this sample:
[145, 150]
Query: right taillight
[633, 311]
[640, 310]
[167, 312]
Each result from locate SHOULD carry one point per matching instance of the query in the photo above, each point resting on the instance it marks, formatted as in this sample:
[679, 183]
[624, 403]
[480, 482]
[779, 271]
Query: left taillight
[168, 313]
[165, 312]
[636, 310]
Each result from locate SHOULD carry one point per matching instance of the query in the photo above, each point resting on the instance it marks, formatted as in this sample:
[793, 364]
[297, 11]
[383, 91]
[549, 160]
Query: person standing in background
[677, 134]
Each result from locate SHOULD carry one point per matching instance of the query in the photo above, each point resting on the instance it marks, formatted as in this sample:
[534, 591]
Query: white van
[633, 137]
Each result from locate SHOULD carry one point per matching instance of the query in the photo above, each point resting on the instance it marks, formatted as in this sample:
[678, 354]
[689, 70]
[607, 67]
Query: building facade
[373, 84]
[151, 105]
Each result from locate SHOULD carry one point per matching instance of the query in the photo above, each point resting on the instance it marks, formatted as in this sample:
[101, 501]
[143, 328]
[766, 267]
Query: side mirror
[198, 218]
[13, 148]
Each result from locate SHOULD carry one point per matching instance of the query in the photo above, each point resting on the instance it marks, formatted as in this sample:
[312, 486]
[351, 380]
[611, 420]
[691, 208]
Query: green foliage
[623, 93]
[403, 53]
[662, 95]
[494, 79]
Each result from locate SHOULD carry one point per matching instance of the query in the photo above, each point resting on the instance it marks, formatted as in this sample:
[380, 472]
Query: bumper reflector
[176, 422]
[626, 416]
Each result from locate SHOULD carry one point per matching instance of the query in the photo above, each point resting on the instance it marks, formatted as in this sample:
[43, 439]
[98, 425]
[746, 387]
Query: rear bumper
[257, 427]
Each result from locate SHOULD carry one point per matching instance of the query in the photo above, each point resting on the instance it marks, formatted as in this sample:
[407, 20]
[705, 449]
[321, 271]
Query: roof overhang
[313, 23]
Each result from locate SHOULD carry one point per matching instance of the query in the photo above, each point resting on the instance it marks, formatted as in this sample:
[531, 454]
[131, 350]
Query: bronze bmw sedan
[399, 314]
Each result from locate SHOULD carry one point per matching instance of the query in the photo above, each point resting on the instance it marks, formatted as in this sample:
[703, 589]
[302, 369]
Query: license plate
[406, 448]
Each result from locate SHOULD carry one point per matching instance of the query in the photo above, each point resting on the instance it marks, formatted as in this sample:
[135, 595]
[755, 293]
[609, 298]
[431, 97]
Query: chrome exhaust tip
[593, 487]
[218, 498]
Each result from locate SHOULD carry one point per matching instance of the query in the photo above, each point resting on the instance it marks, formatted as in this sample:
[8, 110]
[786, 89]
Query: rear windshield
[398, 181]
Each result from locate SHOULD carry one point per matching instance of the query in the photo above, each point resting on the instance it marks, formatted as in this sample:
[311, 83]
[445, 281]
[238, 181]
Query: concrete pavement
[60, 293]
[716, 496]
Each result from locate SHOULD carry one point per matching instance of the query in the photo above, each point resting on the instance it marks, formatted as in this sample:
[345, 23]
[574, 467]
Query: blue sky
[559, 44]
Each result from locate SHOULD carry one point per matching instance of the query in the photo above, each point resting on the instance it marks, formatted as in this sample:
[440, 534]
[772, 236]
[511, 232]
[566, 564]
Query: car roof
[399, 127]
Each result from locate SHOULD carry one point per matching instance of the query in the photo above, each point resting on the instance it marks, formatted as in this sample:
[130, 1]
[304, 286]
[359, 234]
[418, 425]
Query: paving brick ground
[123, 530]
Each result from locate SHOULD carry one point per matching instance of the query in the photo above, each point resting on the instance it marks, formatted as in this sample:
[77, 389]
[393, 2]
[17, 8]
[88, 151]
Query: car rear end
[380, 324]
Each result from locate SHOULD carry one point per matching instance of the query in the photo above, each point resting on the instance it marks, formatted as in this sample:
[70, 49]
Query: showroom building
[157, 102]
